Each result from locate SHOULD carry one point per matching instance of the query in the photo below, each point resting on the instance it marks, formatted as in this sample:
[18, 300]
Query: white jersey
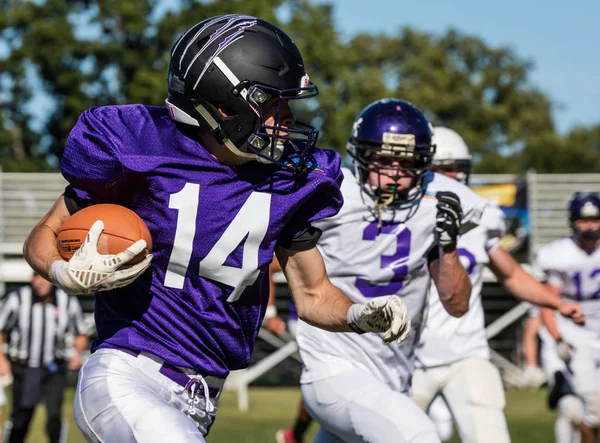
[446, 339]
[578, 274]
[365, 261]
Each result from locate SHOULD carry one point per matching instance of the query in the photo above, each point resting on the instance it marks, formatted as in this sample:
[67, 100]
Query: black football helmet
[230, 73]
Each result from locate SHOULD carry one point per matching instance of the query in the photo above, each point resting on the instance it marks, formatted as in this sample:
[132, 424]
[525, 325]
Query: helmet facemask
[587, 209]
[461, 167]
[394, 161]
[585, 206]
[267, 140]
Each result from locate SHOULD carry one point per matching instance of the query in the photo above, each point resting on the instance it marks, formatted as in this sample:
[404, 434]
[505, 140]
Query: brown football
[122, 228]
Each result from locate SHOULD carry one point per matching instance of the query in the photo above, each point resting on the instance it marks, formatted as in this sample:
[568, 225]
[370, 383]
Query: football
[122, 228]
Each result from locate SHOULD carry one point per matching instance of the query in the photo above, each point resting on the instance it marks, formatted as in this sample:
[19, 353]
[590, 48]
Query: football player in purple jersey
[224, 177]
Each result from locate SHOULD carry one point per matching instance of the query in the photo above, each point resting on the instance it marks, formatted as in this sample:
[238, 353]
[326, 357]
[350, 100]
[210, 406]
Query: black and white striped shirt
[34, 330]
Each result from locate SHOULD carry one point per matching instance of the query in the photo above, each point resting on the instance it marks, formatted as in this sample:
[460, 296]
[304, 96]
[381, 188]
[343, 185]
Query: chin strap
[221, 135]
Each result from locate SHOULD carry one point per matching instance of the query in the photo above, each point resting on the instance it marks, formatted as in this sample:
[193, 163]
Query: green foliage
[87, 53]
[275, 408]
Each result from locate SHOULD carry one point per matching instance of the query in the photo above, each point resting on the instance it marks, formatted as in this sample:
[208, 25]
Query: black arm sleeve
[73, 202]
[307, 239]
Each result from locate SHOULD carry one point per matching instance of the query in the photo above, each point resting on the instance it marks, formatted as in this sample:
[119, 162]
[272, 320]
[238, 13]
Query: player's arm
[525, 287]
[530, 340]
[549, 321]
[318, 302]
[547, 314]
[452, 282]
[450, 278]
[272, 321]
[40, 248]
[87, 271]
[323, 305]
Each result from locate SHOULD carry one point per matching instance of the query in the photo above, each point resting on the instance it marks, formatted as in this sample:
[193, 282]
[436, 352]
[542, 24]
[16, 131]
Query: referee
[34, 321]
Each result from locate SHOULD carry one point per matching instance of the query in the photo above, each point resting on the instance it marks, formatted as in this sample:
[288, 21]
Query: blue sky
[561, 38]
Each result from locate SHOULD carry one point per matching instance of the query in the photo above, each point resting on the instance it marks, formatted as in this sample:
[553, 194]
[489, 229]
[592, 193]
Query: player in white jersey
[453, 353]
[572, 266]
[561, 396]
[385, 241]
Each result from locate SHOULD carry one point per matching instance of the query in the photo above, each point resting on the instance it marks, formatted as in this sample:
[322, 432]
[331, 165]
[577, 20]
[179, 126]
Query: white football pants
[355, 407]
[440, 415]
[584, 368]
[123, 398]
[570, 413]
[474, 393]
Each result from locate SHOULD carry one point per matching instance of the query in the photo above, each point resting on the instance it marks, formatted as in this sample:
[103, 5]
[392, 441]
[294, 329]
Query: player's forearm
[525, 287]
[325, 307]
[318, 302]
[549, 322]
[452, 282]
[530, 343]
[40, 249]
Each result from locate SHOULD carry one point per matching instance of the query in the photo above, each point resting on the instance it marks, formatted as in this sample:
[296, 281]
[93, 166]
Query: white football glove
[88, 271]
[382, 314]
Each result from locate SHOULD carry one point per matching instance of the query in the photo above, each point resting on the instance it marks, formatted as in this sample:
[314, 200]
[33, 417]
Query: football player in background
[453, 353]
[561, 396]
[223, 176]
[397, 229]
[572, 267]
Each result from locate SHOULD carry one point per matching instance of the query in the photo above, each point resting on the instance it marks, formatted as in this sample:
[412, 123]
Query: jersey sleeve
[532, 309]
[323, 200]
[91, 162]
[494, 222]
[553, 276]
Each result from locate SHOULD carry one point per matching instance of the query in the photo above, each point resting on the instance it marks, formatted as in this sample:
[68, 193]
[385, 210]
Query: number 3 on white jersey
[251, 222]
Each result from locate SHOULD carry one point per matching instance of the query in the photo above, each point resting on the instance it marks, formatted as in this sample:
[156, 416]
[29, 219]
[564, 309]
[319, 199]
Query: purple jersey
[214, 229]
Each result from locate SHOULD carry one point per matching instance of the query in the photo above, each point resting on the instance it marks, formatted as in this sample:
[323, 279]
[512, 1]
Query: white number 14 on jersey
[251, 222]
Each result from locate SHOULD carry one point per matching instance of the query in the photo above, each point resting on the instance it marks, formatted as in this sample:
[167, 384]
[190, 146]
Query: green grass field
[274, 408]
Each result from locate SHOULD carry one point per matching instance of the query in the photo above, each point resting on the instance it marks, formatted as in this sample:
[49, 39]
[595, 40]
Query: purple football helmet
[584, 206]
[396, 129]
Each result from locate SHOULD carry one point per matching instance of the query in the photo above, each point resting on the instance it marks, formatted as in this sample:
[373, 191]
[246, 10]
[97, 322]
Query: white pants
[474, 393]
[123, 398]
[440, 415]
[355, 407]
[584, 368]
[570, 413]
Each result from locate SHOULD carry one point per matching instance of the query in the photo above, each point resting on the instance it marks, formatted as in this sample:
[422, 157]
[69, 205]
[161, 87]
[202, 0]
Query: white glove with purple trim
[89, 271]
[386, 314]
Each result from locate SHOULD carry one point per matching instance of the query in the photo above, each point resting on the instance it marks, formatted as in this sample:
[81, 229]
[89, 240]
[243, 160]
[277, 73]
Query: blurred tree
[577, 152]
[84, 53]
